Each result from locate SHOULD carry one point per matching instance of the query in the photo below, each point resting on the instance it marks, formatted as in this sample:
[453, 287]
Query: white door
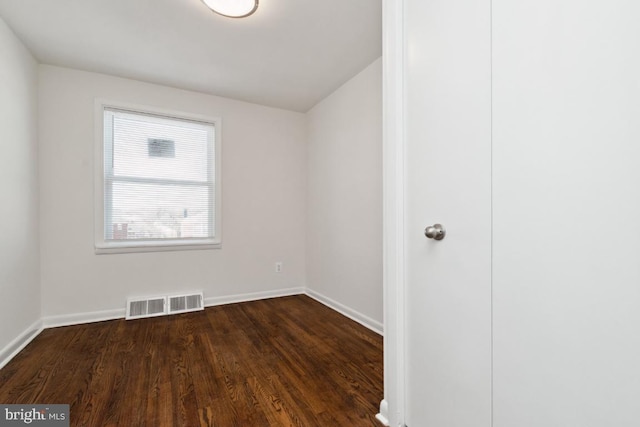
[566, 213]
[523, 139]
[448, 164]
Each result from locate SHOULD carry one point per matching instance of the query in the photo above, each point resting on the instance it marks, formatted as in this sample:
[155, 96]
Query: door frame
[392, 407]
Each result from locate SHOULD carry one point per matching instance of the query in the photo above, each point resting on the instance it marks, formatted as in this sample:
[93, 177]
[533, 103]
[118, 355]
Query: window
[157, 180]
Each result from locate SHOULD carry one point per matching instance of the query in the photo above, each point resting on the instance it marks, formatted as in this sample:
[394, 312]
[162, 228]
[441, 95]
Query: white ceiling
[290, 54]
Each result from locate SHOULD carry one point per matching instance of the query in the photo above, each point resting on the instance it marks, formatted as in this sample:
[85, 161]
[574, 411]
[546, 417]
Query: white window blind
[159, 180]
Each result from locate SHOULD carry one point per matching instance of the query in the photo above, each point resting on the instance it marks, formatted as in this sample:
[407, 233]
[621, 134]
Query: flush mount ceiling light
[232, 8]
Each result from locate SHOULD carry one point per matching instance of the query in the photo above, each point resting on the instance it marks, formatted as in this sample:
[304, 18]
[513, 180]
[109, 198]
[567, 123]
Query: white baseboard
[383, 416]
[119, 313]
[80, 318]
[20, 342]
[352, 314]
[254, 296]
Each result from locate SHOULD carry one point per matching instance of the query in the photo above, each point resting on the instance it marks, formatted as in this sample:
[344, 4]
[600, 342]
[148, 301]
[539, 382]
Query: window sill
[124, 248]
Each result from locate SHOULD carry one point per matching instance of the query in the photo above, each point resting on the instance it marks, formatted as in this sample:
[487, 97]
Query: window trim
[107, 247]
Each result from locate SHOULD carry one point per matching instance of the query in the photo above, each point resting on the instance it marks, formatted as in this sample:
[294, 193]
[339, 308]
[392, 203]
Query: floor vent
[138, 308]
[147, 307]
[186, 303]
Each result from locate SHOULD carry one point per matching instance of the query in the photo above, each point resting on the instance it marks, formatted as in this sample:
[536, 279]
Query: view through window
[159, 180]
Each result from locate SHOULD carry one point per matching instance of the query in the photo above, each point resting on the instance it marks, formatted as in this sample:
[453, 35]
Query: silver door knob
[435, 231]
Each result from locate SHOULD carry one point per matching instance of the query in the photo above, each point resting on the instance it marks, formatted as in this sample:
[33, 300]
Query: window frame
[103, 246]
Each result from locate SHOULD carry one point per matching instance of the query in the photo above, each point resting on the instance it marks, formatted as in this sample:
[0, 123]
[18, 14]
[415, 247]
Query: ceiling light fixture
[232, 8]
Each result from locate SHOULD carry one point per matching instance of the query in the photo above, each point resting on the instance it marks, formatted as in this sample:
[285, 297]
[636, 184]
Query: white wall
[19, 252]
[344, 195]
[263, 196]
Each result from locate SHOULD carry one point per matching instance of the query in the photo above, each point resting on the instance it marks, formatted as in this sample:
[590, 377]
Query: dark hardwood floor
[279, 362]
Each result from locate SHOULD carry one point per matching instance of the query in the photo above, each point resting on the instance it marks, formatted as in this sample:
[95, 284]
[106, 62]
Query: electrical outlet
[278, 267]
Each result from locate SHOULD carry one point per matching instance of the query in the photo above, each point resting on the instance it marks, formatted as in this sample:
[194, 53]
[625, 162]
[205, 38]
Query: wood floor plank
[279, 362]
